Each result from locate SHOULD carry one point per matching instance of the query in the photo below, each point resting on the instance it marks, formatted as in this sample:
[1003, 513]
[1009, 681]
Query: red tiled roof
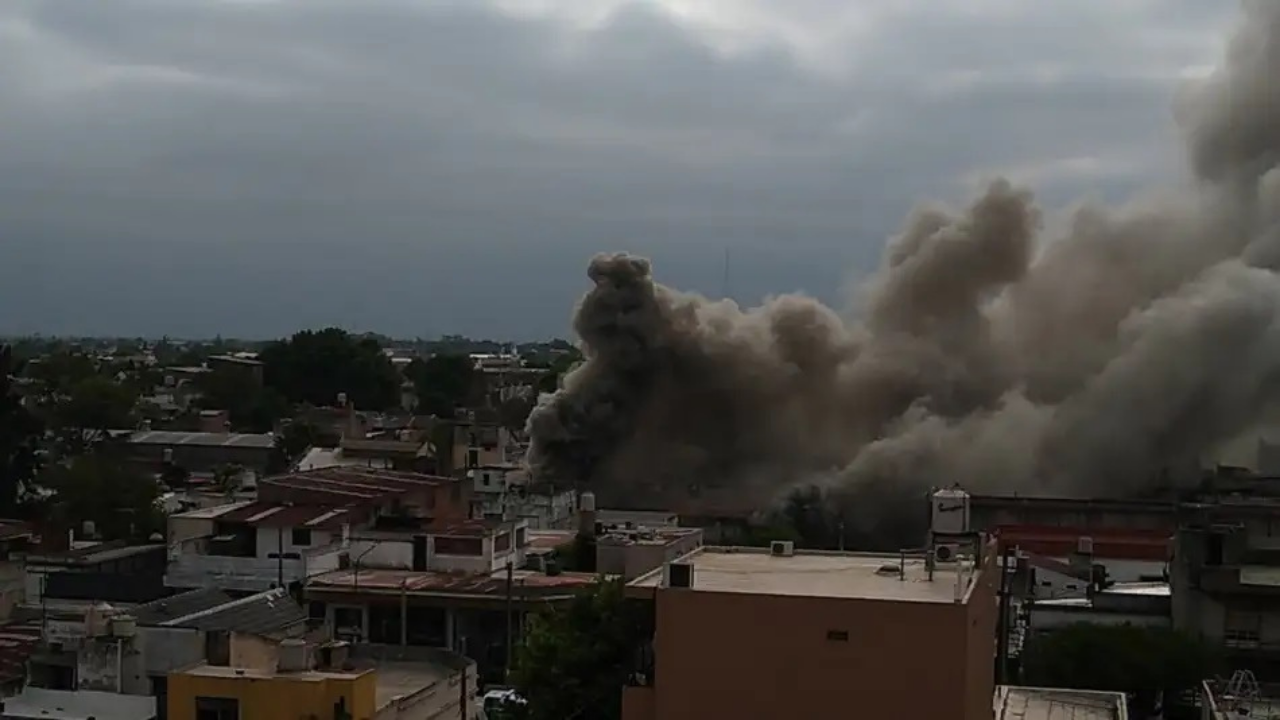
[1108, 543]
[17, 642]
[265, 514]
[427, 583]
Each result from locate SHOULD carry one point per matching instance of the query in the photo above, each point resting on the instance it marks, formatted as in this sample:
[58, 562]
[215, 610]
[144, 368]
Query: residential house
[301, 524]
[132, 651]
[447, 587]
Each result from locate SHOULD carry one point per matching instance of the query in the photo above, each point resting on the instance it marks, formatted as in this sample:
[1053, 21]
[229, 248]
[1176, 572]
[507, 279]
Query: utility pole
[280, 557]
[510, 642]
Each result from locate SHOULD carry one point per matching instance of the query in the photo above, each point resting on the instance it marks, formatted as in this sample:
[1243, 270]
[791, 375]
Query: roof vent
[946, 553]
[782, 548]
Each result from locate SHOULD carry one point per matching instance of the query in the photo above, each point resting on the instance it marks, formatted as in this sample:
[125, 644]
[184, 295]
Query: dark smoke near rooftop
[982, 352]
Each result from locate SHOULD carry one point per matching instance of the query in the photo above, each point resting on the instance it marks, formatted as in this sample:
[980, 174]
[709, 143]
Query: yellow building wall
[284, 697]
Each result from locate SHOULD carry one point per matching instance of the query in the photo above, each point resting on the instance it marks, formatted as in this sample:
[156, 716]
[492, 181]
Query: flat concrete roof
[401, 679]
[1029, 703]
[862, 576]
[223, 671]
[78, 705]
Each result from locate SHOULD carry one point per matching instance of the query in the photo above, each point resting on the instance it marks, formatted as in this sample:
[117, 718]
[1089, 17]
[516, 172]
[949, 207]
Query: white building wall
[270, 540]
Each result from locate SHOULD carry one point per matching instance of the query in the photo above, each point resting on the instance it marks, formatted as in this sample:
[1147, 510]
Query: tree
[250, 407]
[82, 416]
[294, 439]
[1148, 662]
[575, 659]
[20, 434]
[443, 383]
[315, 366]
[99, 487]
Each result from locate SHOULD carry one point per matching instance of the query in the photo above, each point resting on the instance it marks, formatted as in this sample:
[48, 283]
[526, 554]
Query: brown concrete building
[760, 634]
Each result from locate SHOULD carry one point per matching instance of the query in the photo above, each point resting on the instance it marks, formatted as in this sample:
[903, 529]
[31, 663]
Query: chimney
[587, 514]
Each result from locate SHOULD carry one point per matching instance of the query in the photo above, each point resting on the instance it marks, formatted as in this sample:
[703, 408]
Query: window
[1242, 629]
[301, 536]
[473, 457]
[502, 543]
[459, 546]
[521, 540]
[838, 635]
[215, 708]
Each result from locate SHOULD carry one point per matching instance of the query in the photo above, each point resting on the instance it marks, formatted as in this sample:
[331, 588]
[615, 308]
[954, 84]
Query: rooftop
[1108, 543]
[354, 484]
[527, 582]
[257, 513]
[263, 441]
[860, 576]
[646, 536]
[78, 705]
[17, 641]
[211, 610]
[226, 671]
[1026, 703]
[400, 679]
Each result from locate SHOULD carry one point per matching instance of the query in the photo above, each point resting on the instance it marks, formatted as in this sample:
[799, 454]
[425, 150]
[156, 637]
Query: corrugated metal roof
[262, 613]
[263, 441]
[417, 582]
[265, 514]
[17, 642]
[181, 605]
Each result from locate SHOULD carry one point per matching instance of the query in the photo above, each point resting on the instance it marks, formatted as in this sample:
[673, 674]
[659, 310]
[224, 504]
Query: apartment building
[778, 633]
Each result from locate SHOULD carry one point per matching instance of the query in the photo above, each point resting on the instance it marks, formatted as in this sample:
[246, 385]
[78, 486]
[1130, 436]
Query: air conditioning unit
[946, 552]
[678, 575]
[782, 548]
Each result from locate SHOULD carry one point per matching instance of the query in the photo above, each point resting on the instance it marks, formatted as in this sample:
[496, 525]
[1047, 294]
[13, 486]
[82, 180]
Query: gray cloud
[423, 167]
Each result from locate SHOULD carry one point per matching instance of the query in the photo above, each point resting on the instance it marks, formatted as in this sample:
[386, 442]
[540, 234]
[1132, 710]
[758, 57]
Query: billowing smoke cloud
[1089, 364]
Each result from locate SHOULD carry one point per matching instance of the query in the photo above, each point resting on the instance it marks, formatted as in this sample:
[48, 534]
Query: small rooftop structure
[863, 576]
[1030, 703]
[41, 704]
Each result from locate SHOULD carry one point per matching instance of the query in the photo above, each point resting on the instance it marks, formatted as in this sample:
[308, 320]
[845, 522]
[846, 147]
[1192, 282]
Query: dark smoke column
[619, 323]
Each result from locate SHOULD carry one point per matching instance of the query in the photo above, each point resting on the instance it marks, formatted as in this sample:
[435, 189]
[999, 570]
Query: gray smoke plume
[983, 353]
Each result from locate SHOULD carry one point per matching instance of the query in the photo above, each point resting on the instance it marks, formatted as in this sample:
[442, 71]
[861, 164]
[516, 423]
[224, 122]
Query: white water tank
[293, 655]
[949, 512]
[588, 502]
[124, 626]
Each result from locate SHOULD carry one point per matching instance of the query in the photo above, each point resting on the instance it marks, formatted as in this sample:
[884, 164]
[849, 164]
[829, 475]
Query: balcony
[191, 566]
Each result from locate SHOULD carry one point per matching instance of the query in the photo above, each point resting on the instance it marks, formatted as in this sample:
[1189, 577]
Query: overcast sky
[252, 167]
